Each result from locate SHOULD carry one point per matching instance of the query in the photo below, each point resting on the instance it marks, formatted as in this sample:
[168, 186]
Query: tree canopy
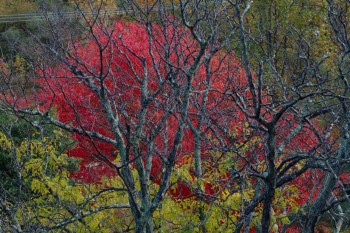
[179, 116]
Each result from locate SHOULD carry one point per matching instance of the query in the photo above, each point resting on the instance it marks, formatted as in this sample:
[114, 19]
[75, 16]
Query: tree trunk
[270, 182]
[144, 224]
[198, 173]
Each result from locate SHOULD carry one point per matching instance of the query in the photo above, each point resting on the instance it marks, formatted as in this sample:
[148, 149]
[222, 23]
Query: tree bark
[270, 181]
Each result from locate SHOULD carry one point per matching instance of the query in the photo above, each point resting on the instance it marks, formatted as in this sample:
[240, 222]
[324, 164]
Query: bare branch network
[179, 116]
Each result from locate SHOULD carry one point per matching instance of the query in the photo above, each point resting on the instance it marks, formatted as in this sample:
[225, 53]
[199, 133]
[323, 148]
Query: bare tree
[134, 91]
[183, 38]
[339, 24]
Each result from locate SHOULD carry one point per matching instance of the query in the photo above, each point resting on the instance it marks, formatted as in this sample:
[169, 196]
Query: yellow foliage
[16, 7]
[94, 4]
[55, 196]
[5, 143]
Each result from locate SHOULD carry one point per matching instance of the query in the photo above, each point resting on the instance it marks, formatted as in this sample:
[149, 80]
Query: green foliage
[36, 171]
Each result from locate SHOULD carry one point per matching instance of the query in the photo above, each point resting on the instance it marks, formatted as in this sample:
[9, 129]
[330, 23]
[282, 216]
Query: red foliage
[122, 69]
[121, 66]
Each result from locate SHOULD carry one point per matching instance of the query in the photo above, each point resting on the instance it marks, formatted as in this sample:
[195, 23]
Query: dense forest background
[176, 115]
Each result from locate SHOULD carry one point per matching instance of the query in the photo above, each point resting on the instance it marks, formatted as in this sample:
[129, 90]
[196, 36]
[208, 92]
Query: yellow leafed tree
[49, 199]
